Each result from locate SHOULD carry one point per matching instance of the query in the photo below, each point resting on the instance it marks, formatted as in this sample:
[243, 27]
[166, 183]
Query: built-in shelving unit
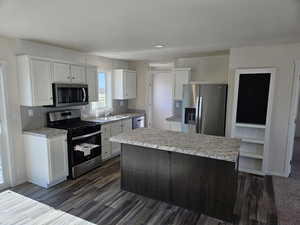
[251, 119]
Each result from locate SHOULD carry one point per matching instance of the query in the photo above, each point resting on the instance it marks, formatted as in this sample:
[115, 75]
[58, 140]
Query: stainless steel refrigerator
[204, 108]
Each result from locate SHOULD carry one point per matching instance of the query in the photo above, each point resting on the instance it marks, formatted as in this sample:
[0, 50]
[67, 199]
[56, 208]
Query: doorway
[162, 98]
[3, 132]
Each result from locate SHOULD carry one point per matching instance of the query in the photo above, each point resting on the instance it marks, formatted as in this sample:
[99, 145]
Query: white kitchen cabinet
[66, 73]
[126, 125]
[106, 144]
[92, 81]
[61, 72]
[110, 149]
[116, 128]
[173, 125]
[46, 159]
[78, 74]
[35, 81]
[182, 76]
[124, 84]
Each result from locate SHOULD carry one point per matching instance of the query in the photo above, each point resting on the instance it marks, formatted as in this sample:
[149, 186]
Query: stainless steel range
[84, 140]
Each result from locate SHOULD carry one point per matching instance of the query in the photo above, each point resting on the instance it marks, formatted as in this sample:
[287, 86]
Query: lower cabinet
[46, 159]
[110, 149]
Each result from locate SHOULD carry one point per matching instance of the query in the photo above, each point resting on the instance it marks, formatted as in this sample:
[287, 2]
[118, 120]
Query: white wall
[7, 54]
[282, 58]
[208, 68]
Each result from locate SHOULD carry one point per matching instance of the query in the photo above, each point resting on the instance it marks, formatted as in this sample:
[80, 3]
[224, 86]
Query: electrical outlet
[177, 104]
[30, 112]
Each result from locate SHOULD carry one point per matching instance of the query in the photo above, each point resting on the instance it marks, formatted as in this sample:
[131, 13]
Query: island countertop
[221, 148]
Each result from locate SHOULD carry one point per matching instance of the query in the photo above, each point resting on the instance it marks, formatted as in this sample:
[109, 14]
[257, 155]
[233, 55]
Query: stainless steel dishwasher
[138, 122]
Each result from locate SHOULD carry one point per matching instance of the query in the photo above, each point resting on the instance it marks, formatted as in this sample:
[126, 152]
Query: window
[104, 91]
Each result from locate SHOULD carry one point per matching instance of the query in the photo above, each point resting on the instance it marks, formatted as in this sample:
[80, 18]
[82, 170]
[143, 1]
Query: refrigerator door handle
[197, 114]
[200, 114]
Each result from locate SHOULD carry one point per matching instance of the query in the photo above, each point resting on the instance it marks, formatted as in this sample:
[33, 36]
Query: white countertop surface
[46, 132]
[221, 148]
[122, 117]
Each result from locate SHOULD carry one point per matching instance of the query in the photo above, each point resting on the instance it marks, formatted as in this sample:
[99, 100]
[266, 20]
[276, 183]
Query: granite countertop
[46, 132]
[114, 117]
[214, 147]
[174, 118]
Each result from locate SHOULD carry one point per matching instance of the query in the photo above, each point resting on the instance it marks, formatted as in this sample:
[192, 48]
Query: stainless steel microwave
[70, 94]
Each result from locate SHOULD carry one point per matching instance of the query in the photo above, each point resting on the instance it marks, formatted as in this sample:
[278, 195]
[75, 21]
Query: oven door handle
[86, 136]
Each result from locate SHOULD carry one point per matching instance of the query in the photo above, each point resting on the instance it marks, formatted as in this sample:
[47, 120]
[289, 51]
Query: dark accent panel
[204, 185]
[253, 98]
[201, 184]
[145, 172]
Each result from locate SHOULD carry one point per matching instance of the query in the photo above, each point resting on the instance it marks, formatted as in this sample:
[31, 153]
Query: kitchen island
[194, 171]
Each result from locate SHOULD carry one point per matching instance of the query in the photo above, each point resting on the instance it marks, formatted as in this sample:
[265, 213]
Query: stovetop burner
[72, 125]
[69, 120]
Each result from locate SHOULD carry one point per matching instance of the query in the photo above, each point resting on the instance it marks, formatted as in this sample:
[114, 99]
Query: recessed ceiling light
[159, 46]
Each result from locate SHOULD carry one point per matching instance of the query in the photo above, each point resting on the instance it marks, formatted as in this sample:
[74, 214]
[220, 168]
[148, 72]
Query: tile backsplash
[36, 117]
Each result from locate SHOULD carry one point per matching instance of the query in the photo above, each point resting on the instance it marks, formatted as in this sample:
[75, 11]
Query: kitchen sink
[111, 118]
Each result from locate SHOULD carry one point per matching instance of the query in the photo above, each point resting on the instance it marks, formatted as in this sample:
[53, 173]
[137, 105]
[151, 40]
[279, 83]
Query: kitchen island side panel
[201, 184]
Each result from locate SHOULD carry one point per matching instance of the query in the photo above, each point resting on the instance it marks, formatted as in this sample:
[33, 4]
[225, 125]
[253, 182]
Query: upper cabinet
[124, 84]
[35, 81]
[36, 76]
[61, 72]
[78, 74]
[92, 81]
[182, 76]
[66, 73]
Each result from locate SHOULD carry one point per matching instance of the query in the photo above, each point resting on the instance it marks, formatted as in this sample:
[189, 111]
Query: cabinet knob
[51, 98]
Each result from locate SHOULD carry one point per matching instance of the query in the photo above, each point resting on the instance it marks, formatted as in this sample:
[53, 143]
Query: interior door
[78, 74]
[42, 82]
[61, 73]
[212, 109]
[162, 98]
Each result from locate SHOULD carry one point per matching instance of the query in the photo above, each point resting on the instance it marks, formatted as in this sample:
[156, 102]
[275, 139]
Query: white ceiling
[128, 29]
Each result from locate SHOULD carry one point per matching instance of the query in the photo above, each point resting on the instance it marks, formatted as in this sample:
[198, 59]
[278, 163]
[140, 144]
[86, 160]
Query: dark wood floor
[97, 198]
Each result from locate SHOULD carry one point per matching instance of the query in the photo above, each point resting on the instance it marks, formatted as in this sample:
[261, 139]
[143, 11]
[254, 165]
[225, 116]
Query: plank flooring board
[96, 198]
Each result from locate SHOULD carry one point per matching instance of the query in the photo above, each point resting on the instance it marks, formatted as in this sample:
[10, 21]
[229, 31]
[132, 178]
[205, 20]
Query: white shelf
[256, 172]
[251, 155]
[252, 140]
[250, 125]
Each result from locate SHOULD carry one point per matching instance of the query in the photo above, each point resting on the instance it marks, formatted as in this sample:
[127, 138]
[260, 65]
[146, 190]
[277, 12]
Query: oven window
[84, 149]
